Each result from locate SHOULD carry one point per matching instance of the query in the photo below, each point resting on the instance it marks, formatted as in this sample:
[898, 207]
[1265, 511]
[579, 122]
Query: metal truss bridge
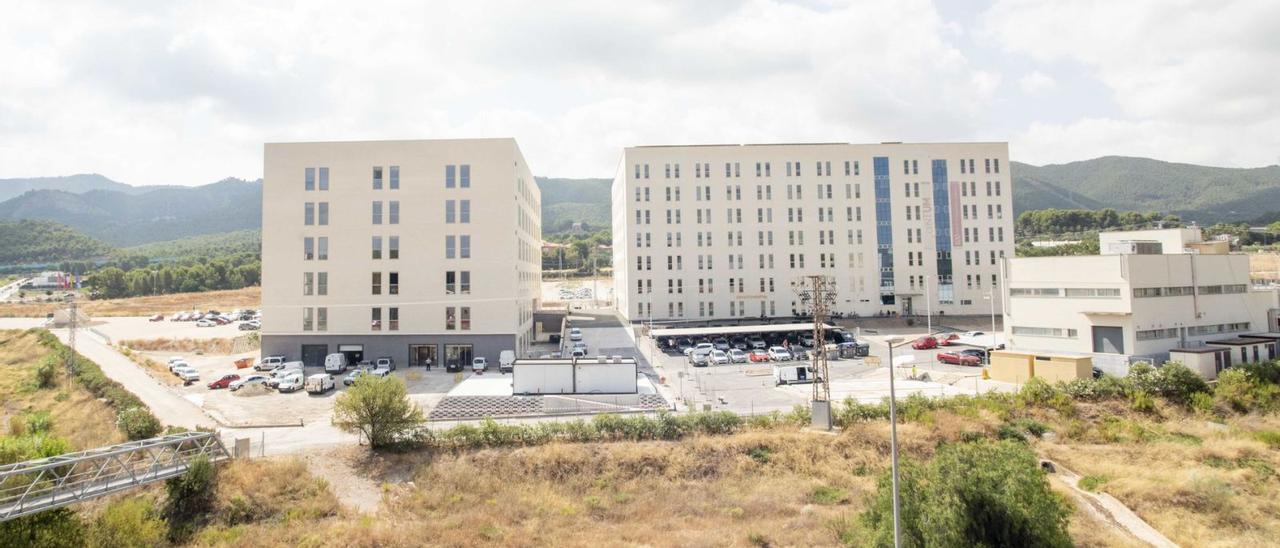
[44, 484]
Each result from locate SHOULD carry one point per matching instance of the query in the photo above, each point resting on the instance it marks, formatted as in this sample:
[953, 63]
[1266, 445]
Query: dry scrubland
[78, 417]
[189, 346]
[249, 297]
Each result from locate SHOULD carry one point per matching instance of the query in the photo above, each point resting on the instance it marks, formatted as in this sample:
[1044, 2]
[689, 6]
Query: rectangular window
[393, 319]
[464, 284]
[377, 178]
[393, 283]
[464, 176]
[395, 177]
[323, 213]
[308, 248]
[450, 318]
[322, 283]
[322, 319]
[450, 207]
[464, 211]
[309, 213]
[309, 178]
[377, 247]
[323, 253]
[464, 247]
[450, 176]
[324, 178]
[394, 213]
[376, 285]
[393, 250]
[308, 283]
[377, 212]
[466, 310]
[308, 319]
[375, 319]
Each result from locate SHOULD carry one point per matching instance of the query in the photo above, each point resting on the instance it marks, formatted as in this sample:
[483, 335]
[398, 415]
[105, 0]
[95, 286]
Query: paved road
[165, 404]
[11, 288]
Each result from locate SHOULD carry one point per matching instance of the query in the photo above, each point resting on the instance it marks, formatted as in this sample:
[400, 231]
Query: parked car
[157, 318]
[319, 383]
[224, 382]
[924, 343]
[251, 325]
[739, 343]
[268, 363]
[251, 379]
[700, 348]
[699, 360]
[177, 362]
[206, 323]
[291, 383]
[479, 364]
[506, 361]
[575, 334]
[380, 371]
[738, 355]
[720, 343]
[806, 340]
[351, 377]
[947, 339]
[385, 361]
[718, 357]
[779, 354]
[758, 356]
[757, 343]
[683, 344]
[957, 358]
[978, 353]
[187, 374]
[335, 362]
[578, 353]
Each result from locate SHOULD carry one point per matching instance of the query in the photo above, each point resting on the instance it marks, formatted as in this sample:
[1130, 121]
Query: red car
[758, 356]
[956, 358]
[925, 343]
[157, 318]
[948, 339]
[224, 382]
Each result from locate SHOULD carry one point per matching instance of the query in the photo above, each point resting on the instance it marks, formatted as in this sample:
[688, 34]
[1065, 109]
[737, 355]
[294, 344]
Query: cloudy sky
[187, 92]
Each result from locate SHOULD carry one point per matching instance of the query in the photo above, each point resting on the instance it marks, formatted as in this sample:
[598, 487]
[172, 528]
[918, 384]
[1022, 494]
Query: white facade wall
[746, 221]
[1047, 311]
[503, 226]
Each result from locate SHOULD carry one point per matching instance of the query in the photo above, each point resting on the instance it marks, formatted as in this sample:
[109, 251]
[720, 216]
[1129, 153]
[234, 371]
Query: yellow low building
[1019, 367]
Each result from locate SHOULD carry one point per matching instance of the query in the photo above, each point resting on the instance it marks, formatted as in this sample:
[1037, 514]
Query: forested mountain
[30, 241]
[145, 214]
[568, 201]
[71, 183]
[1197, 193]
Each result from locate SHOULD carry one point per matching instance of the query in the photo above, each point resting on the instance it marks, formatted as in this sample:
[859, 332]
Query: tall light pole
[928, 306]
[892, 341]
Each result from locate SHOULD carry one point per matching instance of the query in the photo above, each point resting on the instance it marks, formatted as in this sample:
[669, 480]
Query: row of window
[456, 318]
[1069, 292]
[852, 191]
[1045, 332]
[317, 178]
[315, 213]
[822, 167]
[393, 212]
[455, 247]
[1186, 290]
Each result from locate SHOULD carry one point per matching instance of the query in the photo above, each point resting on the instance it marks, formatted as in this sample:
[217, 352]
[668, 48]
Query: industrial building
[724, 231]
[1145, 294]
[426, 251]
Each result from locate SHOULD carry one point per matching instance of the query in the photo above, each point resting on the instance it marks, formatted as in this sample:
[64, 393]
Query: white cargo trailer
[603, 375]
[612, 375]
[538, 376]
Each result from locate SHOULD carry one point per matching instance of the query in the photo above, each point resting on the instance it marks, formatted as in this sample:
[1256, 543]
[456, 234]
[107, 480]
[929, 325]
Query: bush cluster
[607, 427]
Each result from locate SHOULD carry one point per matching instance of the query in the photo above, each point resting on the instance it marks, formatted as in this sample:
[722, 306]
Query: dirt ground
[249, 297]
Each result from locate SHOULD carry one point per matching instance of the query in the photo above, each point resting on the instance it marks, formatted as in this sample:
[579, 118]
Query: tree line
[1045, 222]
[128, 278]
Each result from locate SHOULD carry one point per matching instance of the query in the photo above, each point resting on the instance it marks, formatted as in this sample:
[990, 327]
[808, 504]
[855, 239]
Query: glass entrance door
[422, 355]
[457, 357]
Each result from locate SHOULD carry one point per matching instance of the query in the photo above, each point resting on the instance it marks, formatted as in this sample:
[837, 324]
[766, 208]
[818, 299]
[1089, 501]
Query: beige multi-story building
[424, 251]
[724, 231]
[1146, 293]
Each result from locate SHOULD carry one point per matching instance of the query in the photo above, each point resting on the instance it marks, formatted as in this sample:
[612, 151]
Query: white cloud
[188, 92]
[1036, 81]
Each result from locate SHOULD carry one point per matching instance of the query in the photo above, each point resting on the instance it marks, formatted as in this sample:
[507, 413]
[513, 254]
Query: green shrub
[1008, 432]
[190, 499]
[971, 494]
[1031, 426]
[1269, 437]
[138, 423]
[1202, 403]
[1092, 483]
[824, 494]
[852, 411]
[37, 422]
[47, 372]
[127, 523]
[378, 408]
[1142, 402]
[1178, 383]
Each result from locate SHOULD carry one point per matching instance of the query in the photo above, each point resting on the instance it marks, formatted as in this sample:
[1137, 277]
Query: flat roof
[589, 360]
[1236, 341]
[1198, 350]
[932, 143]
[734, 329]
[1265, 336]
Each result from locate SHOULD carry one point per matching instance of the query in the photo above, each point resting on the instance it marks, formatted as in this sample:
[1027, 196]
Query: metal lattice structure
[817, 295]
[44, 484]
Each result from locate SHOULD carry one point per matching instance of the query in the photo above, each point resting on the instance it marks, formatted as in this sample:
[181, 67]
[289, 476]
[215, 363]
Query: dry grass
[249, 297]
[1264, 266]
[189, 346]
[79, 418]
[159, 371]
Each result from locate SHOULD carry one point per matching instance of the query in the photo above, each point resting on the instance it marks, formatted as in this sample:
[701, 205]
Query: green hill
[206, 245]
[1199, 193]
[568, 201]
[35, 242]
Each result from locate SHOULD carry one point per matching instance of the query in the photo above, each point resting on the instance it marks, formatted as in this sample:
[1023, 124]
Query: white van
[319, 383]
[506, 361]
[290, 383]
[268, 363]
[792, 374]
[335, 363]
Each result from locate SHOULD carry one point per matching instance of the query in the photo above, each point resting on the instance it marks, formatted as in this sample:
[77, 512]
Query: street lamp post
[893, 441]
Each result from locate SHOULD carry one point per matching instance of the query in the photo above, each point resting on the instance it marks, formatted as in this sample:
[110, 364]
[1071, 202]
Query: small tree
[138, 423]
[972, 494]
[190, 499]
[378, 409]
[131, 522]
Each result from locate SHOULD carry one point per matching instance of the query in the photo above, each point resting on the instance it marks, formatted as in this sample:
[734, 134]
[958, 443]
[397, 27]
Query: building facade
[1147, 293]
[724, 231]
[423, 251]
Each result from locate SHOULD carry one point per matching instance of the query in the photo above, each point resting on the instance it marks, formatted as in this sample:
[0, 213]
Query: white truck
[319, 383]
[506, 361]
[793, 374]
[267, 363]
[290, 383]
[335, 363]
